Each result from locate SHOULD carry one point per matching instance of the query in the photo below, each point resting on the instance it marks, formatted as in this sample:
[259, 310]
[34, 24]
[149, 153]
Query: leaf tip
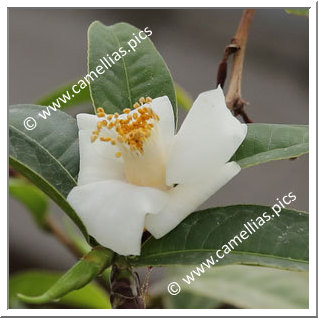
[37, 300]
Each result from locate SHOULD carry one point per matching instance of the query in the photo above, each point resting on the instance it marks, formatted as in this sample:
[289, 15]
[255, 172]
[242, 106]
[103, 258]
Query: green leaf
[304, 12]
[183, 98]
[135, 74]
[91, 265]
[268, 142]
[81, 98]
[189, 300]
[32, 197]
[34, 283]
[47, 155]
[244, 286]
[281, 242]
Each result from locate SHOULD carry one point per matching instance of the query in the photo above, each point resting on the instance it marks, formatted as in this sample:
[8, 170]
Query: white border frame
[312, 164]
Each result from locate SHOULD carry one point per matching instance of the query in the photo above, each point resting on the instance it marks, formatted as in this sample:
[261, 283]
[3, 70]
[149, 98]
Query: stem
[54, 228]
[125, 287]
[234, 99]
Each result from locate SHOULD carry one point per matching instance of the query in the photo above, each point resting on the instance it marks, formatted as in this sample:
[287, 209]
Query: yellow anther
[132, 130]
[118, 154]
[93, 138]
[135, 115]
[105, 139]
[100, 110]
[111, 125]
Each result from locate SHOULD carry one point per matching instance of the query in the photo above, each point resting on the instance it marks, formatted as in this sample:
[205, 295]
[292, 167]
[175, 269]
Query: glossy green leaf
[91, 265]
[137, 73]
[183, 98]
[47, 155]
[189, 300]
[281, 242]
[32, 197]
[304, 12]
[268, 142]
[243, 287]
[81, 98]
[34, 283]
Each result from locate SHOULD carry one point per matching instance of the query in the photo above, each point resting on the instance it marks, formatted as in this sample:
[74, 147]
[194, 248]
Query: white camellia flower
[136, 174]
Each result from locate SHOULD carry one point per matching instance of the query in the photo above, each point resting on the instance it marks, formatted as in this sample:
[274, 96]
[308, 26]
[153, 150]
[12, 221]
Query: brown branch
[234, 99]
[54, 228]
[222, 70]
[145, 286]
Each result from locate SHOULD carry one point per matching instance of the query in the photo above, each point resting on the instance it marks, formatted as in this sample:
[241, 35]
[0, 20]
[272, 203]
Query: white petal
[186, 198]
[208, 138]
[166, 125]
[98, 160]
[114, 212]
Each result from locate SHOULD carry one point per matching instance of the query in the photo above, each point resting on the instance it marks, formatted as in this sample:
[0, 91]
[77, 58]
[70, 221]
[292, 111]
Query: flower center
[136, 134]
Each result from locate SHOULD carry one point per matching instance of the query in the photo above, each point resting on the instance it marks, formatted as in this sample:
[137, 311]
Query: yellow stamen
[118, 154]
[93, 138]
[111, 125]
[133, 130]
[100, 110]
[105, 139]
[101, 124]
